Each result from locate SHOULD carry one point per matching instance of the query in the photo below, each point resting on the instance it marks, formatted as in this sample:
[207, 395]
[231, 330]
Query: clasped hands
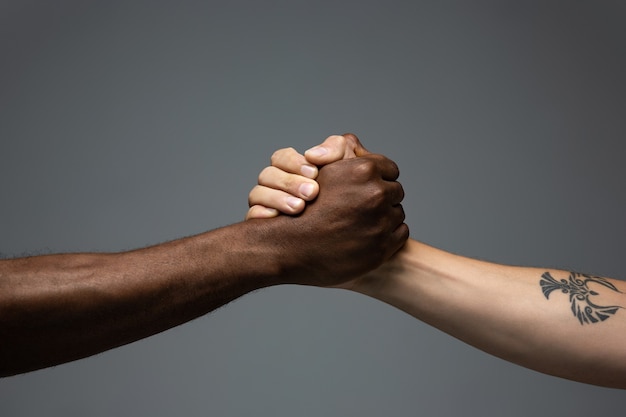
[353, 220]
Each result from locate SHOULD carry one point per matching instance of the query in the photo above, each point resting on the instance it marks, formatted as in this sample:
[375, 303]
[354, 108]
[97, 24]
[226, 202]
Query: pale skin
[59, 308]
[556, 322]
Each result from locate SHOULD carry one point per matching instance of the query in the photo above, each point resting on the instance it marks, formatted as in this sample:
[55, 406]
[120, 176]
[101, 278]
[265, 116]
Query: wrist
[415, 280]
[248, 251]
[401, 270]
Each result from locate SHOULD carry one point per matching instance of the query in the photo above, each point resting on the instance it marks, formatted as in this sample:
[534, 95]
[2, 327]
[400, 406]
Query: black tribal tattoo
[580, 295]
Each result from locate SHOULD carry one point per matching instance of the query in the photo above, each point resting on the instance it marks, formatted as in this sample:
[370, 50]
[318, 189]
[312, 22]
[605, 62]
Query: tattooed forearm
[580, 295]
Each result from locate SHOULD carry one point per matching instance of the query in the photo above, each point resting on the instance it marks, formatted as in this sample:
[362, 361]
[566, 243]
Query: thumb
[335, 148]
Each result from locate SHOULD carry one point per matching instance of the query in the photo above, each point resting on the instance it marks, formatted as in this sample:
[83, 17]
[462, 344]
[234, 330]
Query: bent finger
[397, 216]
[398, 239]
[396, 193]
[296, 185]
[275, 199]
[388, 169]
[289, 160]
[261, 212]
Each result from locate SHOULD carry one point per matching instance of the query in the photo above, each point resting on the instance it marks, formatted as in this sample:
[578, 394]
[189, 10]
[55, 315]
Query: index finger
[289, 160]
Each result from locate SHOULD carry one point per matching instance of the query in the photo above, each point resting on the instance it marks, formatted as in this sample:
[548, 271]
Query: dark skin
[59, 308]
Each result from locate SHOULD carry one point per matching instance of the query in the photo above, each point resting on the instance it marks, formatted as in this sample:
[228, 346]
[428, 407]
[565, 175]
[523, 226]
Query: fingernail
[294, 202]
[309, 171]
[317, 151]
[306, 189]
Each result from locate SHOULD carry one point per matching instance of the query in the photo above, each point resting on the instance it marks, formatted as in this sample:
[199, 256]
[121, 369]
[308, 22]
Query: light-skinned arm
[58, 308]
[556, 322]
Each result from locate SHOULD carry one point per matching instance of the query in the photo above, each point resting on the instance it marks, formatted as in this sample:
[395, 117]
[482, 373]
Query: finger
[396, 193]
[397, 215]
[375, 165]
[335, 148]
[296, 185]
[261, 212]
[399, 231]
[289, 160]
[388, 169]
[398, 238]
[332, 149]
[392, 217]
[275, 199]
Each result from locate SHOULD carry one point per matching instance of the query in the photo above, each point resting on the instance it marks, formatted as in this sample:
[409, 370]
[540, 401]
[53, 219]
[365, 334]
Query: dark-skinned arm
[59, 308]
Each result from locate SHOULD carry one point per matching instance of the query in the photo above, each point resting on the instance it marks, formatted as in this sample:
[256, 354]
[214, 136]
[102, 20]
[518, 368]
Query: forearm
[58, 308]
[504, 311]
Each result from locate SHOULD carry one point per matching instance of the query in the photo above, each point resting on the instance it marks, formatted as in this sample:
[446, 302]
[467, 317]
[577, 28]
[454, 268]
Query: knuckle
[375, 198]
[252, 196]
[288, 183]
[351, 140]
[336, 140]
[398, 193]
[280, 155]
[276, 156]
[393, 167]
[365, 168]
[401, 215]
[265, 174]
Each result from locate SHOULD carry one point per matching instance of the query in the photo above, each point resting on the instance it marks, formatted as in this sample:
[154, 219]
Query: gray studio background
[127, 123]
